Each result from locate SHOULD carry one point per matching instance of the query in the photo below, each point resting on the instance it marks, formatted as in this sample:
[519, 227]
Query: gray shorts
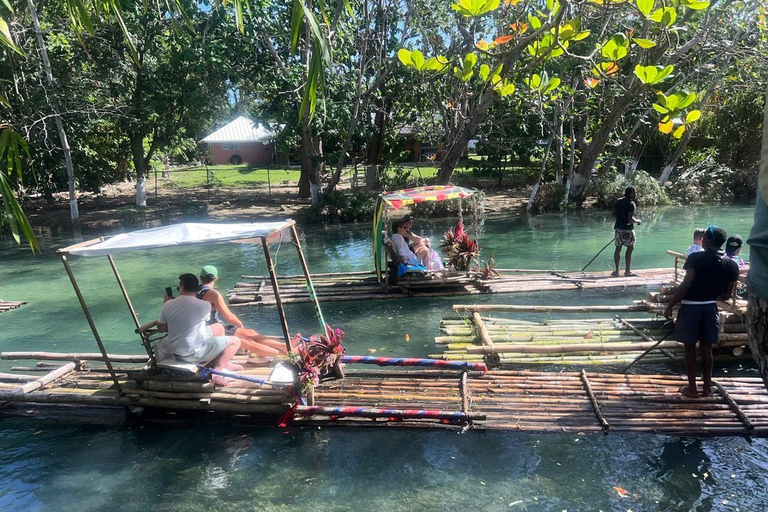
[208, 350]
[697, 322]
[624, 237]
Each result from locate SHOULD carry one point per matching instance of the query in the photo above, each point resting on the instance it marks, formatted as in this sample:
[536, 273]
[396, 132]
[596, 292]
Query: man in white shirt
[190, 340]
[698, 236]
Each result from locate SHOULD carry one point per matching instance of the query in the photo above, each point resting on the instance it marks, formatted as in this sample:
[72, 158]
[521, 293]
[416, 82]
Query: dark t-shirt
[625, 210]
[712, 275]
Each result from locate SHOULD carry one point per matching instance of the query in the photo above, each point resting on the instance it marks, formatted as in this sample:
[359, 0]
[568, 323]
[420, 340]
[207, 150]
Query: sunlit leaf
[521, 28]
[678, 133]
[686, 98]
[502, 40]
[6, 39]
[666, 127]
[475, 8]
[645, 6]
[534, 21]
[591, 82]
[484, 71]
[693, 116]
[482, 45]
[696, 5]
[665, 16]
[644, 43]
[552, 85]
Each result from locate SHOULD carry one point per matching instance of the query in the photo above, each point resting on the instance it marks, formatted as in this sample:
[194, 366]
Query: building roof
[241, 129]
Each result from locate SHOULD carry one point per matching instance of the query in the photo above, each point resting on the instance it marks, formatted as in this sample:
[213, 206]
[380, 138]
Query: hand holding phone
[168, 294]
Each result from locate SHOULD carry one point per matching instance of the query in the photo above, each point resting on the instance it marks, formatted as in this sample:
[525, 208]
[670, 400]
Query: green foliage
[610, 186]
[131, 216]
[549, 198]
[398, 177]
[340, 206]
[711, 182]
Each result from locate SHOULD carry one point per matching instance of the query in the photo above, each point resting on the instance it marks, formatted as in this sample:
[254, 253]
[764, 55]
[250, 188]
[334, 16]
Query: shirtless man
[249, 339]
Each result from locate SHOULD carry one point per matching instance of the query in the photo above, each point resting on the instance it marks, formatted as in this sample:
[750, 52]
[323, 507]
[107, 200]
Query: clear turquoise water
[49, 464]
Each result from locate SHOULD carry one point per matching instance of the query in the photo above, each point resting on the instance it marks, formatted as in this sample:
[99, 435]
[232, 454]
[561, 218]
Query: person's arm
[635, 220]
[161, 327]
[613, 210]
[679, 293]
[221, 307]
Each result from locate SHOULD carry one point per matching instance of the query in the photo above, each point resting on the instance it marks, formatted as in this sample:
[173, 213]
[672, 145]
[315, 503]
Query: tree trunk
[591, 153]
[311, 162]
[537, 186]
[74, 212]
[140, 163]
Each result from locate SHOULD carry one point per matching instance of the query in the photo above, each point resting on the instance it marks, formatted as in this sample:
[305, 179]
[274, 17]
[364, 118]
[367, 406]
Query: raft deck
[258, 290]
[524, 401]
[9, 305]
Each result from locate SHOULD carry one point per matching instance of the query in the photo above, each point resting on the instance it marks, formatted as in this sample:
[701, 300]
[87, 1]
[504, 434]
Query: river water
[48, 464]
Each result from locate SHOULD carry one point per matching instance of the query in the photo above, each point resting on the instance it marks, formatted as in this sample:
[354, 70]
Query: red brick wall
[254, 153]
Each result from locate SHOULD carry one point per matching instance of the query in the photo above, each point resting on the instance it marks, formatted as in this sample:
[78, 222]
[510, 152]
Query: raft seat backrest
[390, 247]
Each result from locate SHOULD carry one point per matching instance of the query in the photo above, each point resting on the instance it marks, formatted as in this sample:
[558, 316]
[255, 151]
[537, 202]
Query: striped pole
[397, 414]
[411, 361]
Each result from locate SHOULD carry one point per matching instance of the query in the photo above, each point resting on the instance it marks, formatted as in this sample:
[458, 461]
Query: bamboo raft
[524, 401]
[497, 340]
[258, 290]
[9, 305]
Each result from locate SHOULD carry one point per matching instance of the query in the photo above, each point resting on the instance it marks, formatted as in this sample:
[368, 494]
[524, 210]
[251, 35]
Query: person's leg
[707, 364]
[690, 370]
[628, 260]
[233, 344]
[617, 259]
[259, 344]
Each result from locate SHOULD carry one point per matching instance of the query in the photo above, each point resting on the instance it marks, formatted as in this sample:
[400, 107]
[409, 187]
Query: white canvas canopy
[180, 234]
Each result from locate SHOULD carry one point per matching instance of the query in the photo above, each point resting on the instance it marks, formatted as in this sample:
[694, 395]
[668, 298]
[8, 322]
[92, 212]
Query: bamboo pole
[517, 308]
[276, 291]
[58, 373]
[75, 356]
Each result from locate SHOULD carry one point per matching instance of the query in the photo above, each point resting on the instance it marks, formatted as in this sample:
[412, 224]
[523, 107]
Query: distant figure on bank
[249, 339]
[732, 249]
[189, 339]
[698, 236]
[624, 230]
[708, 277]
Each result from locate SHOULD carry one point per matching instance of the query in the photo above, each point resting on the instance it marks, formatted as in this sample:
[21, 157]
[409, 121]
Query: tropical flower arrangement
[316, 356]
[459, 248]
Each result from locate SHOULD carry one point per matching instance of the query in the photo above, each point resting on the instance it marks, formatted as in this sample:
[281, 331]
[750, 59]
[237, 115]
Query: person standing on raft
[624, 230]
[708, 277]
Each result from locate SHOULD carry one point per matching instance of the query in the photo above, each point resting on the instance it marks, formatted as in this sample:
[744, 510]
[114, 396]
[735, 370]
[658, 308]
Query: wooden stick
[736, 409]
[512, 308]
[46, 379]
[482, 330]
[73, 356]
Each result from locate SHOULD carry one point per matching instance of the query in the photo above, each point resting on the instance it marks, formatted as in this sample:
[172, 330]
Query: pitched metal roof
[241, 129]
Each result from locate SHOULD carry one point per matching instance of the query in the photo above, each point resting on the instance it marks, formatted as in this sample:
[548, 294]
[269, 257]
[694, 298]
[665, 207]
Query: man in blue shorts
[709, 276]
[624, 230]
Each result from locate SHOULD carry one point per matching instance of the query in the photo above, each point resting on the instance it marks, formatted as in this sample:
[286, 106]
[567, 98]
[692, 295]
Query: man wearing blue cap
[708, 277]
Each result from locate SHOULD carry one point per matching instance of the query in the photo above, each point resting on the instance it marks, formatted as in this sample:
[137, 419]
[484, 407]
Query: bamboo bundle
[51, 356]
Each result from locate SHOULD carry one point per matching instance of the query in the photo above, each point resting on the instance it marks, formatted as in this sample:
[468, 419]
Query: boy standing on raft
[709, 276]
[624, 230]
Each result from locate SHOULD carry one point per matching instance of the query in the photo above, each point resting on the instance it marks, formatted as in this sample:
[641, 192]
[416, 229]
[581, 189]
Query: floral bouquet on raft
[459, 248]
[316, 357]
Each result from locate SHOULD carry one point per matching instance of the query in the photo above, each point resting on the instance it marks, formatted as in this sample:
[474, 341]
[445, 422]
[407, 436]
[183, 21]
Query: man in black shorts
[709, 276]
[624, 230]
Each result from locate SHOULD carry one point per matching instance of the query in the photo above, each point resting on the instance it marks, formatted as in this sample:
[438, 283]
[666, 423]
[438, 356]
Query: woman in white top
[401, 245]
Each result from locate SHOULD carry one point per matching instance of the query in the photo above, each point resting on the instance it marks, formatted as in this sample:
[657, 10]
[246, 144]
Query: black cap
[408, 217]
[733, 244]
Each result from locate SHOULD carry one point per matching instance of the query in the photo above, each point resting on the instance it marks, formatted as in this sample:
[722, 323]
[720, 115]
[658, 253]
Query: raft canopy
[187, 233]
[407, 197]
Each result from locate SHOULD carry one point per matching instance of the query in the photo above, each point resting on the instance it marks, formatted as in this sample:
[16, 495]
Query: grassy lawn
[227, 176]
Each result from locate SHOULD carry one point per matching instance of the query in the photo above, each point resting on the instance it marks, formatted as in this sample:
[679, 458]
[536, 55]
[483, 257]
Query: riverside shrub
[610, 186]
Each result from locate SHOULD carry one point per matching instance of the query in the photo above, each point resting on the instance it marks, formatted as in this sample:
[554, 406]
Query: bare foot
[629, 273]
[686, 391]
[615, 274]
[219, 381]
[234, 367]
[707, 392]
